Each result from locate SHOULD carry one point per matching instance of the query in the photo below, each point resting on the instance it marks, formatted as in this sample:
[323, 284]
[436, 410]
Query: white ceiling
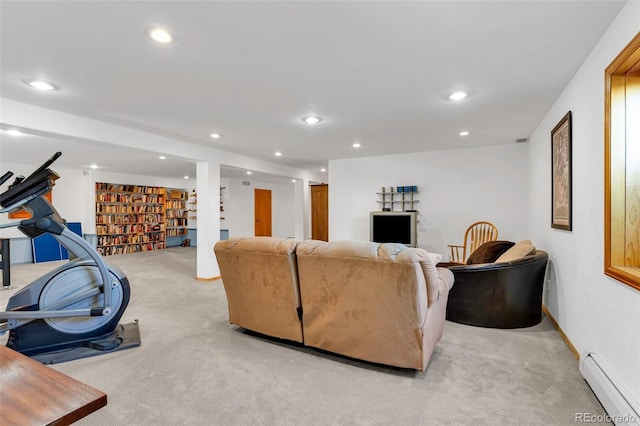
[379, 73]
[30, 149]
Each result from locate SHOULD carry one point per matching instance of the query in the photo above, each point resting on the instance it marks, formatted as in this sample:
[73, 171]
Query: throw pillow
[489, 252]
[520, 249]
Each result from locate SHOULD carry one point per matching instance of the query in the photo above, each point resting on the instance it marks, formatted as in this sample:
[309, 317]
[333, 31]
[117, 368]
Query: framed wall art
[561, 174]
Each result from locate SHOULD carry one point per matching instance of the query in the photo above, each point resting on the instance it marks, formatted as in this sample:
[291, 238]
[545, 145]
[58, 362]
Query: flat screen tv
[394, 227]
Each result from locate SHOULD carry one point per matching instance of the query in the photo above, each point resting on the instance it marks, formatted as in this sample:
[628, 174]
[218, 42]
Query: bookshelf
[192, 205]
[401, 198]
[129, 218]
[222, 203]
[176, 212]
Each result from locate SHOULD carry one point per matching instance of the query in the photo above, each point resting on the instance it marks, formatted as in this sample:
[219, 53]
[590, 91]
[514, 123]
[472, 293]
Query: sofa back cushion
[389, 252]
[260, 278]
[489, 252]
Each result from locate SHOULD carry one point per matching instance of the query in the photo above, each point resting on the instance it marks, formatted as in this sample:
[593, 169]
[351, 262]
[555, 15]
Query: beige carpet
[194, 368]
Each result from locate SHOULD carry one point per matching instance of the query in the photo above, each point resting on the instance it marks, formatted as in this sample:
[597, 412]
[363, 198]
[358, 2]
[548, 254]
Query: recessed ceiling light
[160, 35]
[41, 85]
[312, 119]
[14, 132]
[278, 154]
[186, 177]
[215, 135]
[464, 133]
[248, 172]
[93, 166]
[356, 145]
[293, 180]
[456, 96]
[162, 157]
[323, 169]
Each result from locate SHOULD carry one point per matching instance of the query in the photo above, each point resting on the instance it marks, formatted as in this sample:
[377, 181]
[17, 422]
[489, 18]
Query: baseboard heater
[621, 408]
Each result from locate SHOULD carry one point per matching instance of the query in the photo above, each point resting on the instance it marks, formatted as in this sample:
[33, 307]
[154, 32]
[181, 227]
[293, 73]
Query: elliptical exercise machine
[72, 311]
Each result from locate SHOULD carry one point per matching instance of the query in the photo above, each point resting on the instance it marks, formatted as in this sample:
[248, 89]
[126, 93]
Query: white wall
[239, 208]
[598, 314]
[457, 188]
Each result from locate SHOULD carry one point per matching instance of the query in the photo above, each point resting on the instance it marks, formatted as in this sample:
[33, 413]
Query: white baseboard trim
[621, 408]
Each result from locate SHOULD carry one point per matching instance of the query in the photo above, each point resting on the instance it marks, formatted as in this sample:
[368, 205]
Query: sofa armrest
[441, 286]
[446, 278]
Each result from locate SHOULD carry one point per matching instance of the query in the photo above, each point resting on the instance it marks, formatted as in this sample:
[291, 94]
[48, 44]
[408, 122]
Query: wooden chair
[476, 235]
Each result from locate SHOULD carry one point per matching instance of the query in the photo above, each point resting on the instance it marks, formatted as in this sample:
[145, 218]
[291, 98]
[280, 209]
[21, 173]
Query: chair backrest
[478, 234]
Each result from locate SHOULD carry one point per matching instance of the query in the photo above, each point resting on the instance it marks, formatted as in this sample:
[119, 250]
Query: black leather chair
[499, 295]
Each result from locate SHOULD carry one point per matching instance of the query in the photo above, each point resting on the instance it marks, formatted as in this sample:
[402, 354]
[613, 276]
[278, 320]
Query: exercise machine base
[125, 336]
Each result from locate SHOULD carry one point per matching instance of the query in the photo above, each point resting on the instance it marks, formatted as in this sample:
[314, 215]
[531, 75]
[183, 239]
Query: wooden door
[262, 212]
[320, 212]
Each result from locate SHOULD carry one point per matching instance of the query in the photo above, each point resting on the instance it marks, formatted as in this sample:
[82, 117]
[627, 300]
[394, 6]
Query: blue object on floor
[47, 249]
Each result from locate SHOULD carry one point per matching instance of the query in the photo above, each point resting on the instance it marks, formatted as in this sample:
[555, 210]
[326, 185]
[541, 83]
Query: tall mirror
[622, 166]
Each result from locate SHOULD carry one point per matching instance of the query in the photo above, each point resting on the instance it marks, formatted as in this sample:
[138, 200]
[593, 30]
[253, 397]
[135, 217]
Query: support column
[88, 197]
[208, 211]
[302, 209]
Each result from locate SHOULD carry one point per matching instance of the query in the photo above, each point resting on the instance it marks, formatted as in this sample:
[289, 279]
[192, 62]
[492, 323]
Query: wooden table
[33, 394]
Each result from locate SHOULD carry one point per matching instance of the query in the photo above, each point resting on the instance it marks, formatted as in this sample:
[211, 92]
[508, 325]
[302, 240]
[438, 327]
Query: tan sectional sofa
[383, 303]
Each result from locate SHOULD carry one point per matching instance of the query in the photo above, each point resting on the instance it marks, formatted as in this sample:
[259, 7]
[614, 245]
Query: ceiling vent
[522, 140]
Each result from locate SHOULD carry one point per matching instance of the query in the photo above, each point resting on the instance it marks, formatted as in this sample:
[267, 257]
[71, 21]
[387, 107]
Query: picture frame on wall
[561, 174]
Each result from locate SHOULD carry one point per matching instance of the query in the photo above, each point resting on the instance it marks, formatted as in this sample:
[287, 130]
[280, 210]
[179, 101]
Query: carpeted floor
[194, 368]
